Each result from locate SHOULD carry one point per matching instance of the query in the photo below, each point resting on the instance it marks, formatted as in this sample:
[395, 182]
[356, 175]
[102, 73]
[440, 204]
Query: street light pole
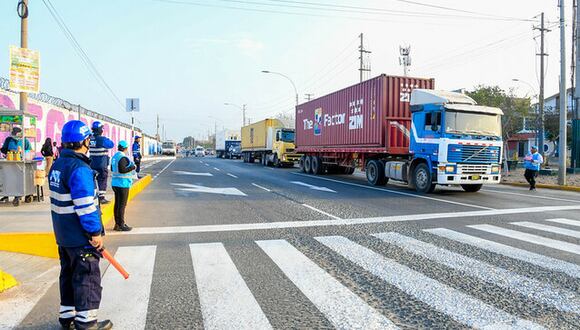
[23, 13]
[288, 78]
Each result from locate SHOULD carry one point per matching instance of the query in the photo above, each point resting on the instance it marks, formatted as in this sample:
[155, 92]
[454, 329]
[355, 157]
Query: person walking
[122, 179]
[56, 150]
[47, 152]
[79, 231]
[136, 148]
[532, 163]
[99, 155]
[13, 143]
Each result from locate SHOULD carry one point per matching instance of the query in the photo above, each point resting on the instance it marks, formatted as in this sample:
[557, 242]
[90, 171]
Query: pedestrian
[532, 163]
[47, 152]
[137, 153]
[122, 169]
[76, 220]
[13, 143]
[56, 150]
[99, 155]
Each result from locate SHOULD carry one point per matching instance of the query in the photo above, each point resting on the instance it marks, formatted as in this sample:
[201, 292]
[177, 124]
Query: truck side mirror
[277, 136]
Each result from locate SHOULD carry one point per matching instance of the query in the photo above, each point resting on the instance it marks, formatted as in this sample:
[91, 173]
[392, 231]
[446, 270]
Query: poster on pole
[24, 70]
[132, 105]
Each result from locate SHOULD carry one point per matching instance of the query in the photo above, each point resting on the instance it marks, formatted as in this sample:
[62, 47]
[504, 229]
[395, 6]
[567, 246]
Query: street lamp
[243, 108]
[290, 80]
[540, 120]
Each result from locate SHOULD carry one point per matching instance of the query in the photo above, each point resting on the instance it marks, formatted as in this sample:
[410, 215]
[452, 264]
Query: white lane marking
[217, 169]
[17, 302]
[126, 301]
[395, 192]
[270, 168]
[341, 222]
[568, 222]
[163, 170]
[509, 251]
[233, 176]
[321, 212]
[192, 173]
[313, 187]
[563, 300]
[551, 229]
[225, 298]
[534, 239]
[263, 188]
[201, 161]
[531, 195]
[206, 164]
[456, 304]
[209, 190]
[343, 308]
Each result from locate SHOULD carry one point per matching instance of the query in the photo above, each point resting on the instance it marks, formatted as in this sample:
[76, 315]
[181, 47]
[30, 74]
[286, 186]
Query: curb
[43, 244]
[545, 186]
[7, 281]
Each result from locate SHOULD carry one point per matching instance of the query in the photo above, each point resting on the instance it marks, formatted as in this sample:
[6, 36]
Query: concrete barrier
[43, 244]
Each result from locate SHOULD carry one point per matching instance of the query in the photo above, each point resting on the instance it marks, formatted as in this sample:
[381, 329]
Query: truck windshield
[168, 145]
[287, 136]
[472, 123]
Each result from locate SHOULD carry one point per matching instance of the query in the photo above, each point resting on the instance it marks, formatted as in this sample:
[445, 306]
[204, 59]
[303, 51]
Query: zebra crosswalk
[226, 300]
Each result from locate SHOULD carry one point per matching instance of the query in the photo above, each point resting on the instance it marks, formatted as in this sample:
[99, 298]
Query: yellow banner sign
[24, 70]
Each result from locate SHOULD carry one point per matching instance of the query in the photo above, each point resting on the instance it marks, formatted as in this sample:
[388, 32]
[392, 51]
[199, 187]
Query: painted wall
[50, 120]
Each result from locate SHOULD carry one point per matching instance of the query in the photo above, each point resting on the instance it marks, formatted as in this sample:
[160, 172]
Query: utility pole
[362, 51]
[244, 114]
[309, 96]
[542, 55]
[576, 114]
[405, 58]
[23, 13]
[157, 131]
[563, 97]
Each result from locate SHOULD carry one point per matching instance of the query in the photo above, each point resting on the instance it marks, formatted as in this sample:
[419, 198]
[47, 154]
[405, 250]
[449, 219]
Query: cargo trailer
[270, 141]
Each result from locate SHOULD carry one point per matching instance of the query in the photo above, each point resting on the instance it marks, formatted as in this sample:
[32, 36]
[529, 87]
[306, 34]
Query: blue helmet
[97, 124]
[123, 144]
[75, 131]
[137, 137]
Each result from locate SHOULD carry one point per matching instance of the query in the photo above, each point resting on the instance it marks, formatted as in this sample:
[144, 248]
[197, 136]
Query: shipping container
[271, 141]
[259, 136]
[370, 117]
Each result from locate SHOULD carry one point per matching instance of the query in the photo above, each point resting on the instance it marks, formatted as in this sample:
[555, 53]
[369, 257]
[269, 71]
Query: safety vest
[123, 180]
[533, 161]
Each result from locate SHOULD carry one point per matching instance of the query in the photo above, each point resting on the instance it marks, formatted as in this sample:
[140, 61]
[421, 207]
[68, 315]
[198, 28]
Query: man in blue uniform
[76, 220]
[137, 153]
[122, 169]
[100, 158]
[532, 163]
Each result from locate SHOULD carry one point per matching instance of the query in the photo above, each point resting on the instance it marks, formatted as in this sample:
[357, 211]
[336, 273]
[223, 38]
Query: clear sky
[185, 58]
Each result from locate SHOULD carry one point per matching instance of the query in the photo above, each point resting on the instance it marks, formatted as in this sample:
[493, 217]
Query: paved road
[223, 244]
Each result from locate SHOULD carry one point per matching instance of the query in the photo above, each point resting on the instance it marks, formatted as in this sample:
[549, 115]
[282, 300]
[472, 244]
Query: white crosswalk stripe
[225, 298]
[566, 222]
[510, 251]
[563, 300]
[126, 301]
[551, 229]
[459, 306]
[530, 238]
[344, 309]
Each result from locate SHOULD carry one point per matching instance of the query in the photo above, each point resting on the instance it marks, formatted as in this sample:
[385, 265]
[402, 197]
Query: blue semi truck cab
[453, 141]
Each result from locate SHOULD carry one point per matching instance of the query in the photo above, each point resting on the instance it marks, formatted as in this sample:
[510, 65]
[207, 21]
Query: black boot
[67, 324]
[103, 200]
[100, 325]
[122, 227]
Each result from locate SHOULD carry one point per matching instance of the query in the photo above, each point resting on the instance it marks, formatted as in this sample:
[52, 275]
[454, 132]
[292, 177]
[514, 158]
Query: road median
[43, 243]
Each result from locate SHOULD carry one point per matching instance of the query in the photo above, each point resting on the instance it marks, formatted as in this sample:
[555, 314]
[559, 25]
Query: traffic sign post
[132, 105]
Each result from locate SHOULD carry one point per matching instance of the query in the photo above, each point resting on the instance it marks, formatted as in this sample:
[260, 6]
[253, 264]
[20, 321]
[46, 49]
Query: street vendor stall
[17, 168]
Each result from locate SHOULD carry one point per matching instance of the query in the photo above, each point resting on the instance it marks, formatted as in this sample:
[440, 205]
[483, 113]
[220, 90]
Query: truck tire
[276, 161]
[316, 164]
[308, 164]
[244, 158]
[301, 164]
[422, 179]
[348, 170]
[376, 173]
[471, 187]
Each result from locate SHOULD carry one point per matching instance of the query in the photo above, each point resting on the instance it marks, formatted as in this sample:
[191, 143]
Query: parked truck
[399, 128]
[269, 141]
[226, 144]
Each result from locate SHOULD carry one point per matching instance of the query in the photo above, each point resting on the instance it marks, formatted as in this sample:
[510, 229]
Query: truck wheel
[422, 179]
[316, 165]
[301, 164]
[471, 187]
[308, 164]
[276, 161]
[348, 170]
[376, 173]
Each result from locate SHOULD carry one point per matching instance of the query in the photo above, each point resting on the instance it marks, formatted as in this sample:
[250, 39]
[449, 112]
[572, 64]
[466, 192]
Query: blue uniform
[75, 214]
[99, 154]
[136, 148]
[533, 161]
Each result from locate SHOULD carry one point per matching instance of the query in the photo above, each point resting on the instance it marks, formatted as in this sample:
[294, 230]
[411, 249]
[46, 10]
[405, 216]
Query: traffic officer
[76, 220]
[122, 179]
[137, 153]
[100, 158]
[532, 163]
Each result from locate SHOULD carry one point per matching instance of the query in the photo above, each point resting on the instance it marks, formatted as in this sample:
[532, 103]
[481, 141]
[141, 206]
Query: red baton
[114, 262]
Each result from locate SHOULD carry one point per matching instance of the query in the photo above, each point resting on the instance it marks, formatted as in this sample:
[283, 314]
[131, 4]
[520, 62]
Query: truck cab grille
[459, 153]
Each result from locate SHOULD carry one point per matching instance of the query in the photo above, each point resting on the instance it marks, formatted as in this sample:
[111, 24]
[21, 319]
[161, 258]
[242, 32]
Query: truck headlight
[450, 169]
[495, 169]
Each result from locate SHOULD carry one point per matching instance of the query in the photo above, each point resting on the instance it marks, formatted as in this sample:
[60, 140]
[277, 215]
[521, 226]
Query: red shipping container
[370, 117]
